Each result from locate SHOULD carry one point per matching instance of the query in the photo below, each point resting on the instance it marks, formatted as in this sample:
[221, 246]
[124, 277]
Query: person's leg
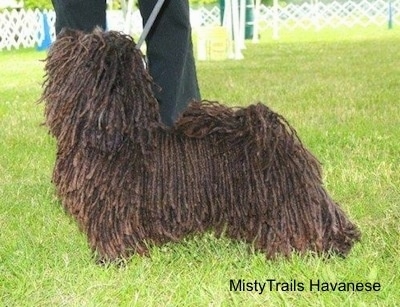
[170, 56]
[82, 15]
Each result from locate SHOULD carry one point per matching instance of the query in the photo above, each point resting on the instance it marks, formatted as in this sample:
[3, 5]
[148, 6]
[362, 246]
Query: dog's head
[97, 91]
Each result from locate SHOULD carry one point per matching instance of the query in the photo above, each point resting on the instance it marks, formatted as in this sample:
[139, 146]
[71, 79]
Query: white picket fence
[21, 28]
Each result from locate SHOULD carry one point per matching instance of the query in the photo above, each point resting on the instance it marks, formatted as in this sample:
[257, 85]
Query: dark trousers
[169, 47]
[82, 15]
[170, 55]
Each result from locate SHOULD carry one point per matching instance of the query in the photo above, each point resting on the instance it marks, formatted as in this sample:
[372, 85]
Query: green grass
[340, 89]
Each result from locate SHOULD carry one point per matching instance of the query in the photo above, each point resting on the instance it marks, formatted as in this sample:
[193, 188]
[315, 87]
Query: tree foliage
[202, 2]
[38, 4]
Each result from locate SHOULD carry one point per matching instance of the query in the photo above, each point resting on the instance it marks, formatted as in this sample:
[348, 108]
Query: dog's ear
[99, 93]
[123, 108]
[60, 71]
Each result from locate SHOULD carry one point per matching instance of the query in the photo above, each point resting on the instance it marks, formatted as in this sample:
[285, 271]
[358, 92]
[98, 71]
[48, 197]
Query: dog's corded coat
[129, 181]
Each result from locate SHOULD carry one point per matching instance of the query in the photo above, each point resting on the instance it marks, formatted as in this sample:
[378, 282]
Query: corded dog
[131, 182]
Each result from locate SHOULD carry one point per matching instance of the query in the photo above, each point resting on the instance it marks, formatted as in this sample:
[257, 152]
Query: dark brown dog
[129, 181]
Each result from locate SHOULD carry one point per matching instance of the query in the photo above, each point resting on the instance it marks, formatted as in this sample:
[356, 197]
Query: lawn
[339, 89]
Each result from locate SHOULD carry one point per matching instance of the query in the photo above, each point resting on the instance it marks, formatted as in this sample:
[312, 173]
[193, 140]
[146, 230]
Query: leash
[149, 23]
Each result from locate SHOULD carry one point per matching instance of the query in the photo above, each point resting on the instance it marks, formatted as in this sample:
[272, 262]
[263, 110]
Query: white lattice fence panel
[198, 17]
[51, 21]
[351, 14]
[210, 17]
[396, 11]
[265, 17]
[332, 15]
[19, 28]
[117, 22]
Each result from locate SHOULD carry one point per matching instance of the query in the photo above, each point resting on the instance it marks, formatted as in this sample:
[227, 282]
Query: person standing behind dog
[169, 47]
